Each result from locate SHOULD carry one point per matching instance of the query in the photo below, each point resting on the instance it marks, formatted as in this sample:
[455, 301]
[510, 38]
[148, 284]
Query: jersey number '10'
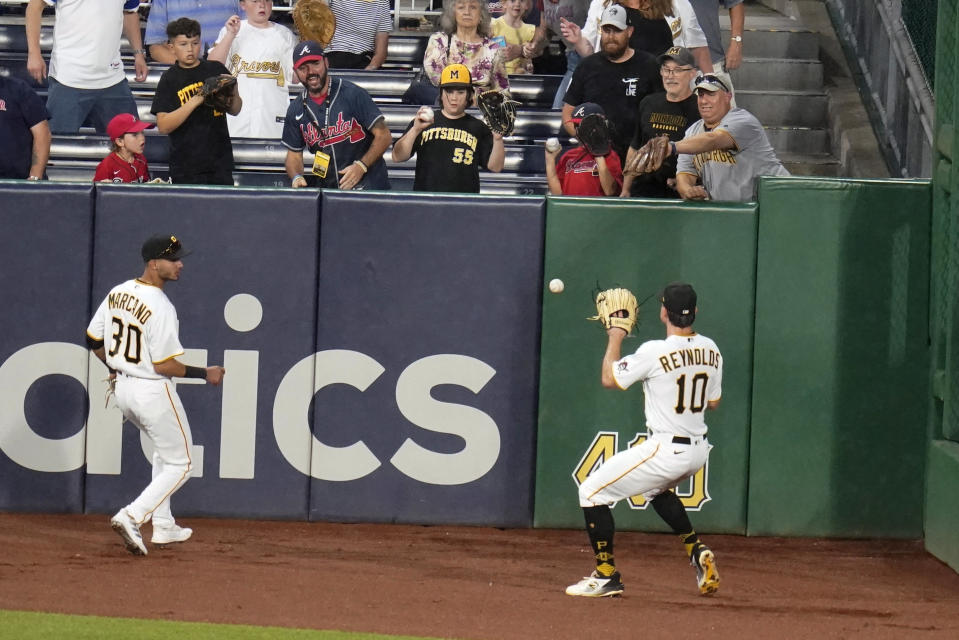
[133, 336]
[697, 392]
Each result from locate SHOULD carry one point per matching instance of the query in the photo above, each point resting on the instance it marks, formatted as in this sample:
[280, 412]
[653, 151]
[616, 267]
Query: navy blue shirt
[20, 109]
[341, 127]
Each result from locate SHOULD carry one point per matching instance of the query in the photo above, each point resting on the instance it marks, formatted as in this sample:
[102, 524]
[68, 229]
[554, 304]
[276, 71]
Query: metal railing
[883, 54]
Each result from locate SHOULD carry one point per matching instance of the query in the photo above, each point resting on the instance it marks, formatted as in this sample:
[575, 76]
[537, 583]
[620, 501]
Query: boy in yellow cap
[450, 145]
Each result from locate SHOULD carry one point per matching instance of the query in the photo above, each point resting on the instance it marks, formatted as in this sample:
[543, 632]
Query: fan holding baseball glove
[451, 145]
[591, 169]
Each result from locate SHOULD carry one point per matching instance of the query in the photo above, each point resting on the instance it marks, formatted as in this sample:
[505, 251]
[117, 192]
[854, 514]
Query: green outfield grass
[30, 625]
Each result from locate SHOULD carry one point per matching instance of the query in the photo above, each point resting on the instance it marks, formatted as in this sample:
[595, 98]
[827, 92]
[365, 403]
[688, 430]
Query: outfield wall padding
[440, 297]
[45, 246]
[641, 245]
[840, 387]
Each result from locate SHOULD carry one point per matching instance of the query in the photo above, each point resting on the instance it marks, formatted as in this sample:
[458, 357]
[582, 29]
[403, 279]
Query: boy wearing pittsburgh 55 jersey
[451, 145]
[135, 332]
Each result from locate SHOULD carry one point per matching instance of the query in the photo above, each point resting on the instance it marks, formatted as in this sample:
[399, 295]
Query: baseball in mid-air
[556, 285]
[553, 145]
[426, 114]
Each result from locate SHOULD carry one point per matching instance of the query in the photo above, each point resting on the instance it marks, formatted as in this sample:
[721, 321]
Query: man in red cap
[126, 162]
[339, 123]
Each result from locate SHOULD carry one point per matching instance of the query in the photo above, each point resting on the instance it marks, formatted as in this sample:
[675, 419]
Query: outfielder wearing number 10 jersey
[135, 332]
[682, 377]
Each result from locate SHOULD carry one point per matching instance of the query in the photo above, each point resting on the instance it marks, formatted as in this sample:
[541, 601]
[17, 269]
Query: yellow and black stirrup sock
[670, 508]
[600, 528]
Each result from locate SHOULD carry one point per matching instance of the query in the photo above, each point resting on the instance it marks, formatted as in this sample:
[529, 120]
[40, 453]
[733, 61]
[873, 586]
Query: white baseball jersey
[262, 61]
[680, 375]
[730, 174]
[139, 327]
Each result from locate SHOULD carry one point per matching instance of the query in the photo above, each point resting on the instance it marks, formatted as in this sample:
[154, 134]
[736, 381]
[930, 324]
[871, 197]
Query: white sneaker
[129, 530]
[596, 586]
[168, 535]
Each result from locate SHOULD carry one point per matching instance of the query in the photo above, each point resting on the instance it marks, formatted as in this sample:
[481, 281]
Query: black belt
[681, 440]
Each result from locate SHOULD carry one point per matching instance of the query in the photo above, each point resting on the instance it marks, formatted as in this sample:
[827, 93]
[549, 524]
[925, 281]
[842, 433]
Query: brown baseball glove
[218, 92]
[593, 132]
[650, 156]
[314, 20]
[499, 111]
[616, 308]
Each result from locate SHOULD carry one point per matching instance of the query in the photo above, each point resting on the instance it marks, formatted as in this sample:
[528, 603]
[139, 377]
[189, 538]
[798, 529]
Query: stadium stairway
[780, 81]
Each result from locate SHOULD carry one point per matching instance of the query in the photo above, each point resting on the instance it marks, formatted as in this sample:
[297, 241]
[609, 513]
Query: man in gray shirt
[726, 150]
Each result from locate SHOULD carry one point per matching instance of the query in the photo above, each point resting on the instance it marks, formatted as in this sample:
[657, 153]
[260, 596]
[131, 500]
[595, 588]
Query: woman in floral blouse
[466, 39]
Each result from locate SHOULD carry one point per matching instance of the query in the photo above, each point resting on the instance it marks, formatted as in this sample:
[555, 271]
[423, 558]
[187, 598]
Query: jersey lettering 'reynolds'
[689, 357]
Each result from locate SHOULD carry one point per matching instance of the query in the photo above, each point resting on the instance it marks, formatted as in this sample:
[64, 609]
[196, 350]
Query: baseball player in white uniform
[682, 377]
[135, 332]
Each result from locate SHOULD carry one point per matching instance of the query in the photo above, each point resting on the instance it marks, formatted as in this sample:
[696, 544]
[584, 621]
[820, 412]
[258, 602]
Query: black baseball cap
[307, 51]
[161, 247]
[679, 298]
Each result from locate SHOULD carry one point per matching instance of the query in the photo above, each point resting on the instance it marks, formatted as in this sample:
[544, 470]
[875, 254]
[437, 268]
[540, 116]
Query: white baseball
[553, 145]
[426, 114]
[556, 285]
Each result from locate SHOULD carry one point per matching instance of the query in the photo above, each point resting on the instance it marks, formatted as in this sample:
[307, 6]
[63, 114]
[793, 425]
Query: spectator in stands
[126, 162]
[552, 17]
[24, 131]
[465, 38]
[579, 173]
[617, 79]
[726, 150]
[211, 14]
[515, 34]
[86, 73]
[668, 113]
[451, 145]
[362, 34]
[339, 123]
[200, 148]
[722, 60]
[657, 26]
[258, 52]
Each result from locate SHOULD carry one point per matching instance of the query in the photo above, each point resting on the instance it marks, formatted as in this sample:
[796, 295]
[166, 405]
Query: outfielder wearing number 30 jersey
[135, 332]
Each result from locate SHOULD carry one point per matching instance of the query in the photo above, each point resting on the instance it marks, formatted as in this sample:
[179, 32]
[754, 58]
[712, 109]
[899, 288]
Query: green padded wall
[840, 389]
[942, 501]
[642, 245]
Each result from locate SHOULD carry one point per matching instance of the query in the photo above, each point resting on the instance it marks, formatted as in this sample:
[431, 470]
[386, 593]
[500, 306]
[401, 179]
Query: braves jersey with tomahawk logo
[680, 376]
[340, 127]
[139, 327]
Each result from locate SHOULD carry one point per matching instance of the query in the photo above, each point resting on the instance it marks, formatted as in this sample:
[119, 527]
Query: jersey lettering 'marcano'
[689, 358]
[130, 304]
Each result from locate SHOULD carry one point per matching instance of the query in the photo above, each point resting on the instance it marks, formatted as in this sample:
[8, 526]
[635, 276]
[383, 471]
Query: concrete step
[812, 164]
[796, 42]
[785, 108]
[778, 74]
[805, 140]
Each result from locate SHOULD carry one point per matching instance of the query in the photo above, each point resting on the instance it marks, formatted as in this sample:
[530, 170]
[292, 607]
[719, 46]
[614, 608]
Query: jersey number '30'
[132, 340]
[697, 393]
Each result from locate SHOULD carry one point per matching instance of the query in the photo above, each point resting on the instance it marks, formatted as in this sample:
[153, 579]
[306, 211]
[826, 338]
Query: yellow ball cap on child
[456, 76]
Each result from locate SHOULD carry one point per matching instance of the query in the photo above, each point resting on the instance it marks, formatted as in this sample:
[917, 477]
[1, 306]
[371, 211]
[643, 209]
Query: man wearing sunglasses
[667, 114]
[135, 332]
[725, 151]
